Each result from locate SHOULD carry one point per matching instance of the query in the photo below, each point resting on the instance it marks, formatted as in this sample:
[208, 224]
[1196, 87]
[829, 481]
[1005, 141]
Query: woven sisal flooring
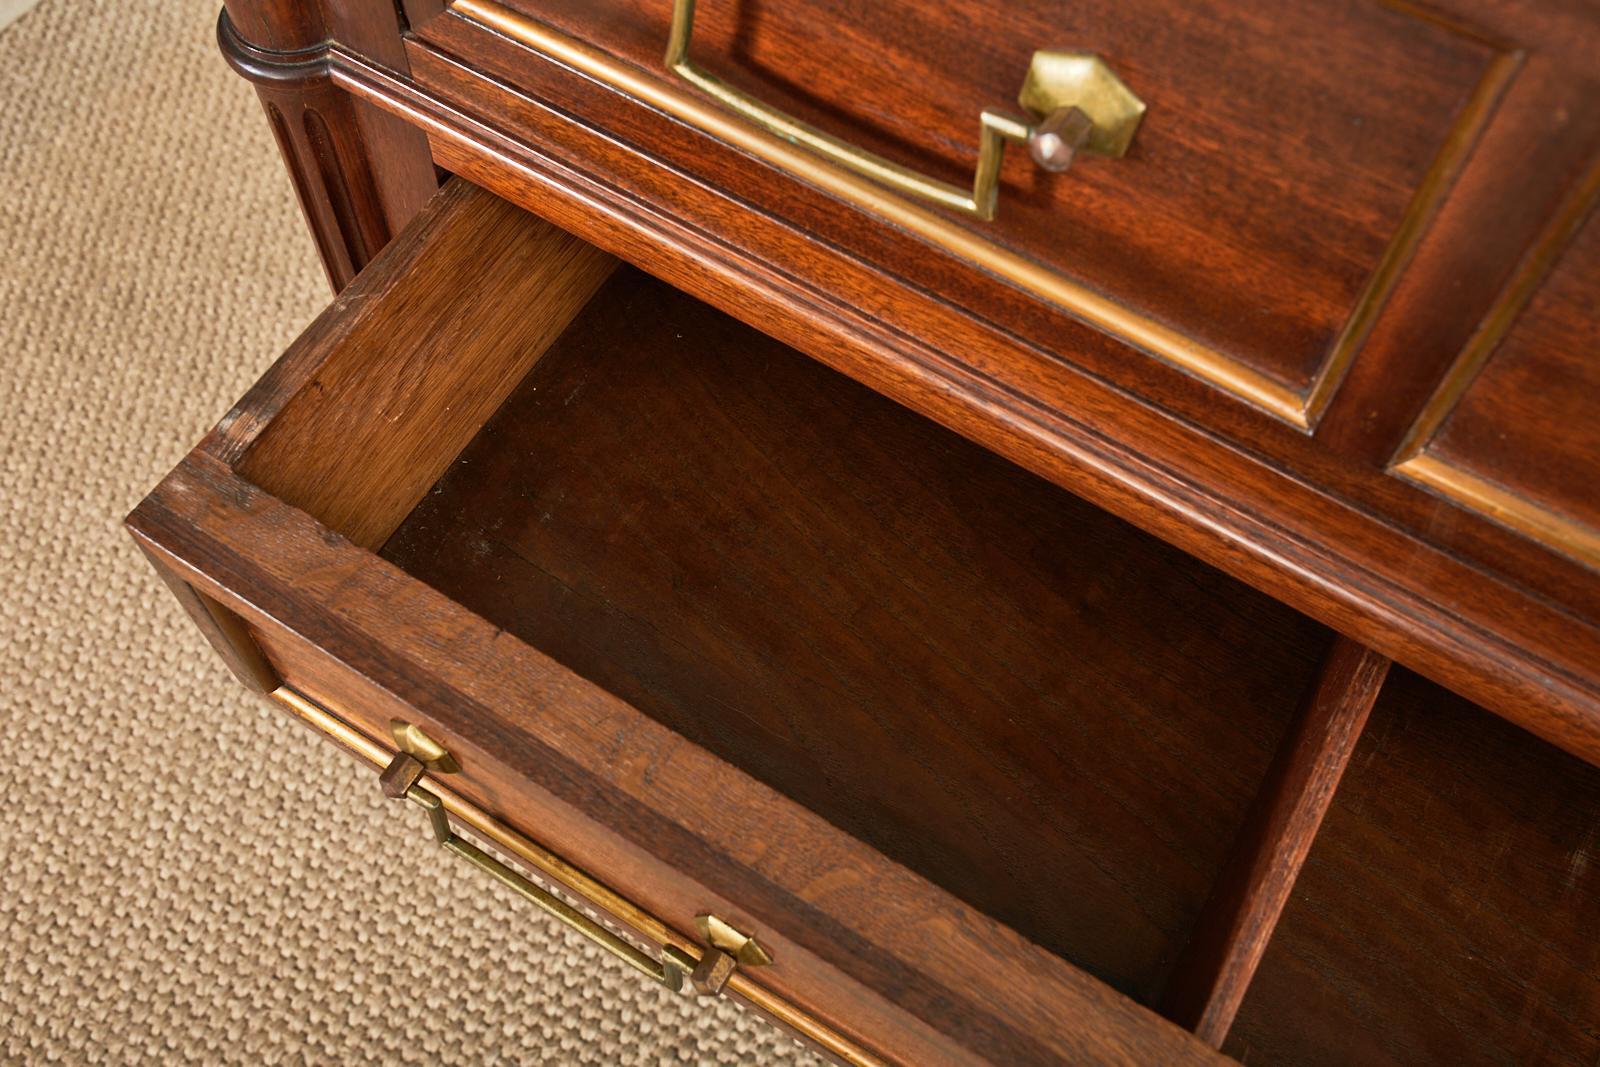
[189, 877]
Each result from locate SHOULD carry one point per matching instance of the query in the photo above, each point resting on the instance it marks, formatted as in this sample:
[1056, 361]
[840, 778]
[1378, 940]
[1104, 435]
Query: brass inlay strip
[578, 882]
[1424, 205]
[1079, 300]
[1299, 409]
[1412, 461]
[1499, 504]
[1497, 323]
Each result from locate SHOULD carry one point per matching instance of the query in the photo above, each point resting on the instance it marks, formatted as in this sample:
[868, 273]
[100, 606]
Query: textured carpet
[188, 875]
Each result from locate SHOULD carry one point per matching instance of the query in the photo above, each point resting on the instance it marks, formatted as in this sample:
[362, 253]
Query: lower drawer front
[972, 759]
[611, 921]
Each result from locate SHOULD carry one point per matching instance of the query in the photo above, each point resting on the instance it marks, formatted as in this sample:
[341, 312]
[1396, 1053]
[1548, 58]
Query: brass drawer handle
[400, 780]
[727, 948]
[1076, 103]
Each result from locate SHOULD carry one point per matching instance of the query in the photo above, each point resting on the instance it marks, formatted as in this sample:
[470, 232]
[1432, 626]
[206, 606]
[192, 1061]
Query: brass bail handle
[1075, 103]
[727, 948]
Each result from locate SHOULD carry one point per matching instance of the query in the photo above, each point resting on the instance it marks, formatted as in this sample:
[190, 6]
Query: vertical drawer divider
[1212, 975]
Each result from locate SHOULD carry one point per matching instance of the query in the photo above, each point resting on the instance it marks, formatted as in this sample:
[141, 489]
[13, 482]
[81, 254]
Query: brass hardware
[718, 933]
[414, 741]
[1081, 81]
[1054, 143]
[571, 878]
[712, 972]
[1214, 366]
[1056, 83]
[727, 950]
[401, 774]
[954, 238]
[1494, 502]
[400, 780]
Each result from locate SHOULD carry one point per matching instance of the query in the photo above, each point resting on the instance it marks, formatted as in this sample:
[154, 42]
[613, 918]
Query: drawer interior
[1053, 715]
[1057, 718]
[1449, 911]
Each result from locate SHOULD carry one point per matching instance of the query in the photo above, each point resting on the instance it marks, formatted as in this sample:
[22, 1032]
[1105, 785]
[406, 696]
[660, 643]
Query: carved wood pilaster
[359, 173]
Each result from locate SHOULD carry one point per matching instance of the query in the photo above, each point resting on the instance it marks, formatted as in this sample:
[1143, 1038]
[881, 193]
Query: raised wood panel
[1295, 150]
[1513, 433]
[588, 157]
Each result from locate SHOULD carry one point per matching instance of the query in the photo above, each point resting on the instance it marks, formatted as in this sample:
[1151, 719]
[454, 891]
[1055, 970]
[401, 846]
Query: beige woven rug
[188, 875]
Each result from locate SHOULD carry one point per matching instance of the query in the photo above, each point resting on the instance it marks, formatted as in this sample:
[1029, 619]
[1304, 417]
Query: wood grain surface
[1519, 639]
[877, 952]
[359, 172]
[1447, 911]
[1256, 187]
[979, 675]
[1238, 921]
[739, 634]
[411, 365]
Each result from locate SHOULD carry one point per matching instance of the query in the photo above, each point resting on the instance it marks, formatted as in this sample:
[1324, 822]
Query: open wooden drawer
[710, 629]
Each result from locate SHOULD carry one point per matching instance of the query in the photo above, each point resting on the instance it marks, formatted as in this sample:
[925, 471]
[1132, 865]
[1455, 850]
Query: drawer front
[366, 723]
[1280, 176]
[284, 532]
[865, 949]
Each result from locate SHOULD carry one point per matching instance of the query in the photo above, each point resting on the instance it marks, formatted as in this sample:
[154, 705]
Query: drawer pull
[400, 781]
[1075, 102]
[727, 949]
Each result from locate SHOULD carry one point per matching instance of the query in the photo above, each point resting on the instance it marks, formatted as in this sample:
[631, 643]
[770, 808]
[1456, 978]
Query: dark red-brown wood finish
[912, 637]
[1332, 521]
[996, 773]
[359, 172]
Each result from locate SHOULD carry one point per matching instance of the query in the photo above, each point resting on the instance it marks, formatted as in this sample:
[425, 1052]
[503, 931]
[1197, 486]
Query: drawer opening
[1055, 717]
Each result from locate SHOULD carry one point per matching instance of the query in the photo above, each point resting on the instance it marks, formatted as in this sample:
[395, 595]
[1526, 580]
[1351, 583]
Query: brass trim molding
[706, 115]
[1425, 203]
[576, 881]
[1502, 506]
[1291, 405]
[1412, 460]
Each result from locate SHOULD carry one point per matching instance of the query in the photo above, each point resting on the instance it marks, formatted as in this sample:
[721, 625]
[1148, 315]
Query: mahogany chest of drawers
[1028, 533]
